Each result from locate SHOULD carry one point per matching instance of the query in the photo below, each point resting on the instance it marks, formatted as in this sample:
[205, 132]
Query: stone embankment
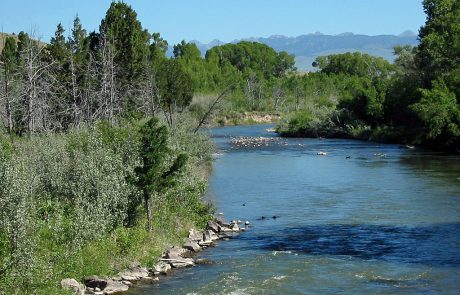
[173, 258]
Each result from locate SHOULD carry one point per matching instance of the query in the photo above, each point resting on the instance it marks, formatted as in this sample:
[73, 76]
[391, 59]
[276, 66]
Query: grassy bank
[70, 207]
[330, 123]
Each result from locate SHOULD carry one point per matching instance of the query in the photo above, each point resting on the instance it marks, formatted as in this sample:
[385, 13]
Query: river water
[366, 218]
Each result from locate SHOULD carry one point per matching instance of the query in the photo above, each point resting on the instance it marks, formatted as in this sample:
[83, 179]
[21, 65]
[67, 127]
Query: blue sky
[204, 20]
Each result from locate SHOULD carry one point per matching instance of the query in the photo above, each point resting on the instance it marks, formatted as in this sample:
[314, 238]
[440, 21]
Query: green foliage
[440, 112]
[354, 64]
[253, 57]
[176, 88]
[69, 206]
[439, 50]
[122, 29]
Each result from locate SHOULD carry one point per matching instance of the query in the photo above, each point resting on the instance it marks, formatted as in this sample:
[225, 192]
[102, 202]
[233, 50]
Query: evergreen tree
[156, 174]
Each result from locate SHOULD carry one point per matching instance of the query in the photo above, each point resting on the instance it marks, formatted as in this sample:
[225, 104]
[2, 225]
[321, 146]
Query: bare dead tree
[7, 95]
[34, 88]
[278, 95]
[298, 93]
[254, 91]
[108, 90]
[212, 107]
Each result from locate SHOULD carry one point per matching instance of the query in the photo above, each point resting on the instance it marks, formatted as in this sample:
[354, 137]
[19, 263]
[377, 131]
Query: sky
[226, 20]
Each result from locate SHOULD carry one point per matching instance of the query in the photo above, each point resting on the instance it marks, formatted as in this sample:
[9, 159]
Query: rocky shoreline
[172, 258]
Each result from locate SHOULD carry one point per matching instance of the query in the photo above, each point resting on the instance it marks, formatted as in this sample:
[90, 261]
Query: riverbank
[322, 240]
[247, 118]
[175, 257]
[70, 206]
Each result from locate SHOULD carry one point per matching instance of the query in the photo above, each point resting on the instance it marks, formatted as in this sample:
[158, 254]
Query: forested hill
[307, 47]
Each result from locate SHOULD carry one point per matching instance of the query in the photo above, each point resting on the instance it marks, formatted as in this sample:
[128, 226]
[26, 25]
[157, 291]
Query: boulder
[95, 282]
[192, 246]
[161, 268]
[212, 225]
[114, 287]
[234, 227]
[180, 263]
[220, 221]
[207, 236]
[175, 253]
[73, 285]
[194, 235]
[134, 273]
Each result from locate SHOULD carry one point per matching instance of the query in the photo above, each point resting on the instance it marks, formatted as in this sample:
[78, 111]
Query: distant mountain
[307, 47]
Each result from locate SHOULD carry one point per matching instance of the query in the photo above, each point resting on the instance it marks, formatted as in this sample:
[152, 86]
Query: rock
[176, 253]
[235, 227]
[134, 273]
[204, 261]
[99, 293]
[162, 268]
[97, 289]
[180, 263]
[207, 236]
[114, 287]
[72, 284]
[194, 235]
[129, 278]
[212, 225]
[220, 221]
[95, 282]
[127, 283]
[192, 246]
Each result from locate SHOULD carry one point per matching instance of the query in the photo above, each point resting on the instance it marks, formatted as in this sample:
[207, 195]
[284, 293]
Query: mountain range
[307, 47]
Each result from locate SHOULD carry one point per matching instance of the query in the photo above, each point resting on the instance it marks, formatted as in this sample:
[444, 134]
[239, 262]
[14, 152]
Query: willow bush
[69, 206]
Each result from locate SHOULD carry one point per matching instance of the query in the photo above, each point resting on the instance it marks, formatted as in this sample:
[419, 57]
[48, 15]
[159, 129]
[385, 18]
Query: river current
[366, 218]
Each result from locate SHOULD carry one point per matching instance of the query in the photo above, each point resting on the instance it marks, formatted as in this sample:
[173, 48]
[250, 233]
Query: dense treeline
[99, 164]
[115, 73]
[414, 100]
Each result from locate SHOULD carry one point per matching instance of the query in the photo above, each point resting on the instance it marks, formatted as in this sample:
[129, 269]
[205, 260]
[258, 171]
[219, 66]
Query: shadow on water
[436, 245]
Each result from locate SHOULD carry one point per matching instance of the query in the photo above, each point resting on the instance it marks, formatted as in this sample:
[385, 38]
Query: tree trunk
[148, 209]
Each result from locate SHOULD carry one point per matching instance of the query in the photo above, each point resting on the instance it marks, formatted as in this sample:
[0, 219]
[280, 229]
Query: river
[366, 218]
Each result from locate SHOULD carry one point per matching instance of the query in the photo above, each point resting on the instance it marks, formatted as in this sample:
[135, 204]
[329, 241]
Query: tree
[439, 111]
[176, 88]
[156, 174]
[187, 51]
[130, 43]
[253, 57]
[35, 114]
[354, 64]
[8, 64]
[438, 54]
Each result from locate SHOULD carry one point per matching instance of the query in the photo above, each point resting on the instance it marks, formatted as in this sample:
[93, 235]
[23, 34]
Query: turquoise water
[385, 220]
